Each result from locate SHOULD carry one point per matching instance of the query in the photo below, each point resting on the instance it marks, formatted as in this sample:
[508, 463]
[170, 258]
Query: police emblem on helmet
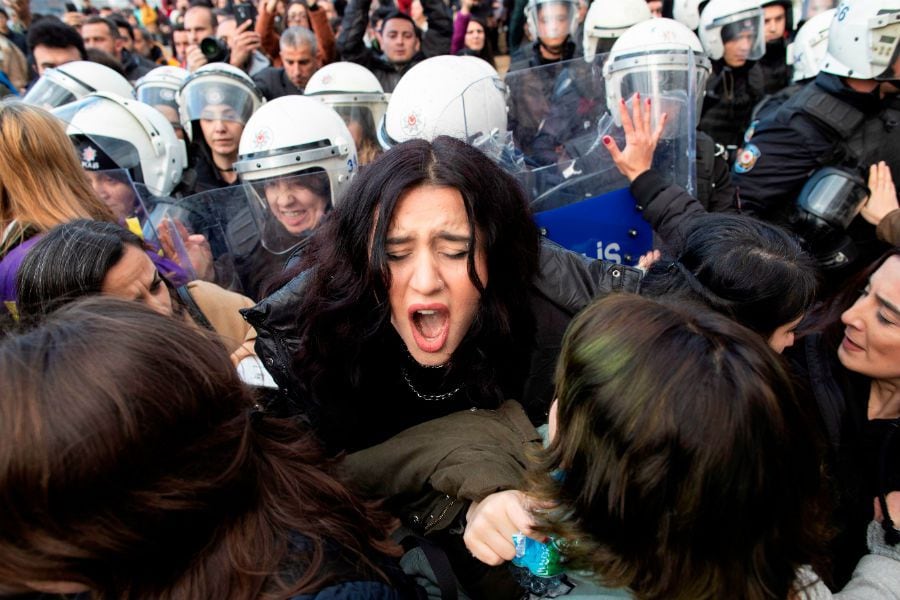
[262, 139]
[413, 124]
[215, 96]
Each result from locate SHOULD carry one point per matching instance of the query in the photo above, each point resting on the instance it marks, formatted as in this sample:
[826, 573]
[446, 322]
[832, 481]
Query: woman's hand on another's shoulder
[491, 523]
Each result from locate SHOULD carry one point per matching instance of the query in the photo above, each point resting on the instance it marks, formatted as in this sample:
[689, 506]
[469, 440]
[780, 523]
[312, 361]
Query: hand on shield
[883, 198]
[196, 248]
[640, 139]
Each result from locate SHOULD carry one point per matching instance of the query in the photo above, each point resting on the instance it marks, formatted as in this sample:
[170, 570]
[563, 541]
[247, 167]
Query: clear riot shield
[225, 218]
[287, 208]
[131, 205]
[558, 117]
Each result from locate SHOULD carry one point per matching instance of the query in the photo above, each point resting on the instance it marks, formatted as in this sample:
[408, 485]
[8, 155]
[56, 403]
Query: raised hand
[640, 139]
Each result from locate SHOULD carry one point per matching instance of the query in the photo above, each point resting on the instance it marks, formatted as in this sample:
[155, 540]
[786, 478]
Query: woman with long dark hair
[470, 35]
[133, 464]
[753, 272]
[703, 483]
[414, 297]
[417, 299]
[851, 364]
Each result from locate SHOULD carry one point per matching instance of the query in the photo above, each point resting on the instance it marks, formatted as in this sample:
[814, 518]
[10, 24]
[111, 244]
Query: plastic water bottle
[537, 567]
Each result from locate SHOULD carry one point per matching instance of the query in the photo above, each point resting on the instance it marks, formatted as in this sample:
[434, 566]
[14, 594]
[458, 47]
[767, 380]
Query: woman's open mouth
[430, 325]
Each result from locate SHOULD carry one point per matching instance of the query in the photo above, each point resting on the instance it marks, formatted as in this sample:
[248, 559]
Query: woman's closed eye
[155, 284]
[456, 254]
[884, 320]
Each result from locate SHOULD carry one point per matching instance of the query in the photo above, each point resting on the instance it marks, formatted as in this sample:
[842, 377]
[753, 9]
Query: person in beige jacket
[13, 63]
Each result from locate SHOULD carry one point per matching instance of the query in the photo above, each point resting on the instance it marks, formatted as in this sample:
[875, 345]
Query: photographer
[200, 23]
[243, 45]
[222, 40]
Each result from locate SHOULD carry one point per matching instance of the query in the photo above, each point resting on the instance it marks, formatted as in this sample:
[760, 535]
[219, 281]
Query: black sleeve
[440, 28]
[667, 207]
[353, 29]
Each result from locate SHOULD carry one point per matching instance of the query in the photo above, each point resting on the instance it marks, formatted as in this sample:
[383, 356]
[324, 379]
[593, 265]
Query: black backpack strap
[184, 294]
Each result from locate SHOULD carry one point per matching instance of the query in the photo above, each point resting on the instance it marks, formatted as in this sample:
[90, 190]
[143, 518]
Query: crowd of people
[405, 299]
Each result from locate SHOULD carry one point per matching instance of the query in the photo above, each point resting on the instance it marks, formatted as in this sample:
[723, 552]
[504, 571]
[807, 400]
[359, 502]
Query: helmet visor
[117, 191]
[157, 94]
[555, 20]
[217, 101]
[286, 209]
[361, 123]
[49, 93]
[667, 91]
[743, 34]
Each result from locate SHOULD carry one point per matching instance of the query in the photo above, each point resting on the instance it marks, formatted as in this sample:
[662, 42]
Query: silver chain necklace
[429, 397]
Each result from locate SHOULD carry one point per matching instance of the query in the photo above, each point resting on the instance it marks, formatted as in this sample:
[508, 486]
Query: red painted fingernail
[607, 140]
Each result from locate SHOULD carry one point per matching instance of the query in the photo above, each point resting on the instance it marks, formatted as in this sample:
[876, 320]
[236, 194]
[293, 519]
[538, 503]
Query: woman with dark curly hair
[427, 293]
[414, 301]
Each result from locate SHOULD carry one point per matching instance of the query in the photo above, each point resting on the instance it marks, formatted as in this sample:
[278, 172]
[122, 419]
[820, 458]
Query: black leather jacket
[567, 283]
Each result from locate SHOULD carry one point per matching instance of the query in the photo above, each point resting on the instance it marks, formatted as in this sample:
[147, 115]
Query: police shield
[228, 219]
[559, 115]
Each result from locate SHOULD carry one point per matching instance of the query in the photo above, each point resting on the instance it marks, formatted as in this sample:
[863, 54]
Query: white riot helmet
[296, 157]
[687, 12]
[111, 132]
[723, 20]
[466, 99]
[217, 91]
[73, 80]
[159, 89]
[864, 40]
[353, 91]
[607, 20]
[808, 49]
[656, 58]
[542, 17]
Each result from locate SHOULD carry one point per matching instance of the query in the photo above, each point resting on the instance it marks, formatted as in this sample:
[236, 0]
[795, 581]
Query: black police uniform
[826, 123]
[731, 94]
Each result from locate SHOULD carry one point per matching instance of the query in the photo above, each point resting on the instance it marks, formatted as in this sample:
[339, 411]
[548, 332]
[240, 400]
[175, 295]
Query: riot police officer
[839, 121]
[731, 32]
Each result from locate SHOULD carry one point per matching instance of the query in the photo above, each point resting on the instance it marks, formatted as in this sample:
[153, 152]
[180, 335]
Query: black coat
[731, 94]
[854, 445]
[274, 83]
[824, 124]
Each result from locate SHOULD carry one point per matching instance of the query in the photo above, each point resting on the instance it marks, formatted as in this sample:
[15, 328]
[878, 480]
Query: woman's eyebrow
[453, 237]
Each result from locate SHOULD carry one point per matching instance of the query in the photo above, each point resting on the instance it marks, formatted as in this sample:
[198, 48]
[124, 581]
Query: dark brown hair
[343, 315]
[691, 470]
[132, 461]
